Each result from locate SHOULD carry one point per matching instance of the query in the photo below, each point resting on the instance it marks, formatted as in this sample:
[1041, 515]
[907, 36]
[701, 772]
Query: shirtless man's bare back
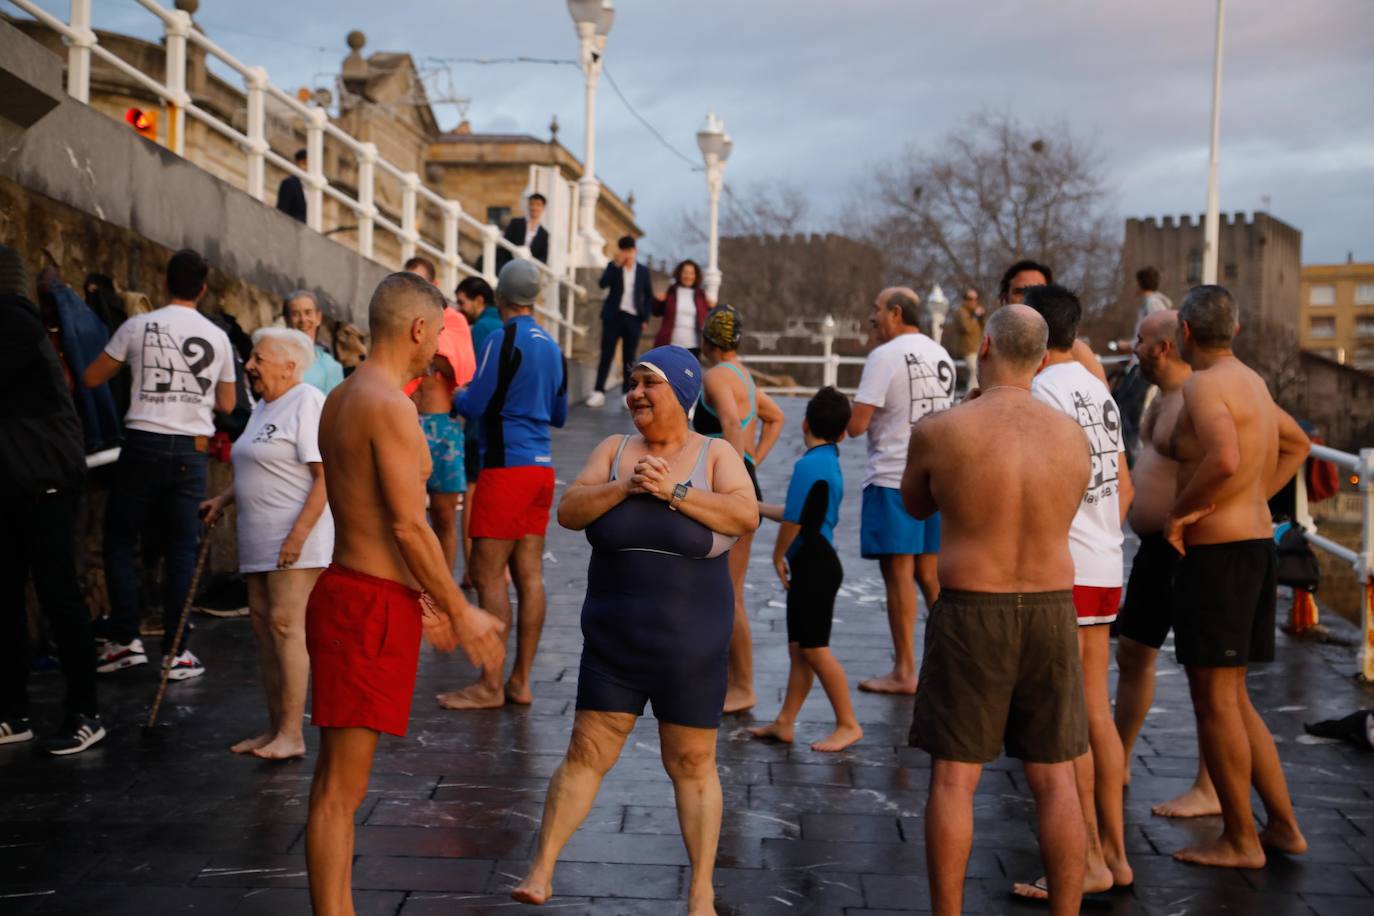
[1147, 615]
[364, 620]
[1235, 448]
[1001, 656]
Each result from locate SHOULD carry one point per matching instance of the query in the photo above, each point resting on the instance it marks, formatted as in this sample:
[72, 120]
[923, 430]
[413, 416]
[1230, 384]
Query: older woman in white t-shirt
[285, 531]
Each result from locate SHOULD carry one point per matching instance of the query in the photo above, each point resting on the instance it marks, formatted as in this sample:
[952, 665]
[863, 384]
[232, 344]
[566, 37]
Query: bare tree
[991, 192]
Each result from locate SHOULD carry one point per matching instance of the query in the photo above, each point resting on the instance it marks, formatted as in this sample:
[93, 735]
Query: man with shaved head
[1001, 658]
[388, 581]
[1147, 614]
[906, 377]
[1235, 449]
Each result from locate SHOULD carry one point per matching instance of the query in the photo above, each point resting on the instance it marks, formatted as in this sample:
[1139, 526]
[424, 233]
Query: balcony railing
[83, 43]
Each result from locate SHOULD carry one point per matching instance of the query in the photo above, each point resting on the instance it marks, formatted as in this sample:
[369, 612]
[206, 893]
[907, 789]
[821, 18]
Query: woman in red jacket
[683, 308]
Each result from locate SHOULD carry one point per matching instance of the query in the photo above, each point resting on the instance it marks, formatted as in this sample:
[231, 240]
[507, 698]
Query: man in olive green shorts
[1001, 664]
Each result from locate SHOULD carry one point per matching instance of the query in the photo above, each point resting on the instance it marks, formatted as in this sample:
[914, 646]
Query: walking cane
[181, 628]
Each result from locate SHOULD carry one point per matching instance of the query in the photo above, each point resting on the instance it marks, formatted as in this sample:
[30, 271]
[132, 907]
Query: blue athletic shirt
[818, 513]
[519, 391]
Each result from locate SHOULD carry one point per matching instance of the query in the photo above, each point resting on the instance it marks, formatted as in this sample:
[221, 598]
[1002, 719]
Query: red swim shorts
[363, 633]
[1096, 603]
[512, 503]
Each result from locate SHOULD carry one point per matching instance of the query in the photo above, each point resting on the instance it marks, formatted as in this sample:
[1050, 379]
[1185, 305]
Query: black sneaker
[78, 733]
[12, 731]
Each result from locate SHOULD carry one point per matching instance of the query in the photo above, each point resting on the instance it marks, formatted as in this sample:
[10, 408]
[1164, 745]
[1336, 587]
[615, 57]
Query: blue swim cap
[679, 368]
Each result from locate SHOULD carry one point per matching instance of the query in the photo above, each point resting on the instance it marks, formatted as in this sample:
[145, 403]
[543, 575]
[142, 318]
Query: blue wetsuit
[659, 611]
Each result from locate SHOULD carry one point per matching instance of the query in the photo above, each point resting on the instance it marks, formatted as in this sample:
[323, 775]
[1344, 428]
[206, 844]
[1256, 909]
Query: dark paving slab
[182, 826]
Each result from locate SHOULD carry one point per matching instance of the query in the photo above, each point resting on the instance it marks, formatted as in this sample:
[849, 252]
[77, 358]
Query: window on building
[498, 216]
[1364, 293]
[1194, 267]
[1364, 326]
[1363, 359]
[1324, 294]
[1324, 328]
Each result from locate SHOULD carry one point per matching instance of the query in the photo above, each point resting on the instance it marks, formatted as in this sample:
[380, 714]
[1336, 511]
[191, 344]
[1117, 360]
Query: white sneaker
[596, 399]
[185, 666]
[117, 656]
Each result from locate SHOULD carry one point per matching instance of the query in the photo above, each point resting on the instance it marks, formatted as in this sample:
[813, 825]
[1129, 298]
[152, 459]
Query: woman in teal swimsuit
[732, 408]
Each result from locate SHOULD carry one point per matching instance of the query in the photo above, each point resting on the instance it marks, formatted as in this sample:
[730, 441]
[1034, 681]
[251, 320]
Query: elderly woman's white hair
[295, 346]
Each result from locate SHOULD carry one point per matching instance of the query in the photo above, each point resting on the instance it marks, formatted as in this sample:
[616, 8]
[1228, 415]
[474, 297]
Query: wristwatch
[679, 494]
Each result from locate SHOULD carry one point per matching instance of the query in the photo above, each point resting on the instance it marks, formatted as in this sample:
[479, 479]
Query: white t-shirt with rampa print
[176, 357]
[1095, 536]
[905, 379]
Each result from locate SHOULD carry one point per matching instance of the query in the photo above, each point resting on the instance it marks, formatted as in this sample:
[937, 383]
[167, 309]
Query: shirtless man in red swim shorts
[366, 613]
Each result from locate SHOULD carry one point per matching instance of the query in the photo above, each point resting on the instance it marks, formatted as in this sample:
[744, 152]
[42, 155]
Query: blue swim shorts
[444, 435]
[886, 528]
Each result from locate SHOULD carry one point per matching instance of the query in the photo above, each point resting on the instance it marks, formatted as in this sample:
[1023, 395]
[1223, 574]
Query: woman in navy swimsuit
[661, 510]
[731, 407]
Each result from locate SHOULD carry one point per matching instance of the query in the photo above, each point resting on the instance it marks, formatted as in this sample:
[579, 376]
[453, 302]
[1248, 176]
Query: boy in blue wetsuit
[805, 558]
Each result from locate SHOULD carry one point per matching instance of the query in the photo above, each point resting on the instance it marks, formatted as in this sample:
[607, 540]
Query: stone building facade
[1337, 312]
[1260, 262]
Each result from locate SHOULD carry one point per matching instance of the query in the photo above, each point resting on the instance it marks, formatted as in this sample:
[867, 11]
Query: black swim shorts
[1001, 670]
[816, 577]
[1224, 604]
[1147, 614]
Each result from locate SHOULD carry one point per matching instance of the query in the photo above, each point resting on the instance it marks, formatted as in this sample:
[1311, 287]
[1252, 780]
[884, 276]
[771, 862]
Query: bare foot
[249, 745]
[1285, 838]
[1039, 889]
[1222, 853]
[1122, 873]
[737, 700]
[777, 731]
[473, 696]
[1193, 803]
[842, 737]
[889, 683]
[1126, 775]
[518, 694]
[533, 890]
[282, 748]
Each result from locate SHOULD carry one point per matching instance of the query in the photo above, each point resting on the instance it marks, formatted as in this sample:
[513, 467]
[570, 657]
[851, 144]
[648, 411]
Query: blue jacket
[84, 337]
[613, 281]
[519, 391]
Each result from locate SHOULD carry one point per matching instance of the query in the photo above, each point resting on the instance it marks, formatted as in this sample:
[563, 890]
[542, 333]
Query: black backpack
[1297, 563]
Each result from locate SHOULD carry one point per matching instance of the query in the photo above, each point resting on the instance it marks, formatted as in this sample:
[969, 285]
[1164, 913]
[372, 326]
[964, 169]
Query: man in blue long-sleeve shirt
[518, 393]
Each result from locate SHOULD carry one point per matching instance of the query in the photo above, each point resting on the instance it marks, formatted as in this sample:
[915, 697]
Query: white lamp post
[592, 19]
[1211, 222]
[715, 145]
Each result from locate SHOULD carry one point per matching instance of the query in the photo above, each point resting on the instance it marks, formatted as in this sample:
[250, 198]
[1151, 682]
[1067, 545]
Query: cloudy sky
[814, 92]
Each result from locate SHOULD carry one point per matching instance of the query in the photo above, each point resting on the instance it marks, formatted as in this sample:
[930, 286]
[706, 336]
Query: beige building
[381, 99]
[1337, 309]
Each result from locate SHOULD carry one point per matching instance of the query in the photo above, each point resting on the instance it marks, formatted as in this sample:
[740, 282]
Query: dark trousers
[625, 329]
[38, 537]
[159, 480]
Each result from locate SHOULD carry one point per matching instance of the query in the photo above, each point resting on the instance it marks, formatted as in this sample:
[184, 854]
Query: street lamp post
[593, 19]
[1211, 222]
[937, 307]
[715, 146]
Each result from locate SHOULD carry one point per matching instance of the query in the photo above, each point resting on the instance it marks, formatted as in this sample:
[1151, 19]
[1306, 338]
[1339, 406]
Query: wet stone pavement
[183, 826]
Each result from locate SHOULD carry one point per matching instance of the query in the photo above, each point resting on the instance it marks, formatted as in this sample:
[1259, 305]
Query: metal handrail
[180, 31]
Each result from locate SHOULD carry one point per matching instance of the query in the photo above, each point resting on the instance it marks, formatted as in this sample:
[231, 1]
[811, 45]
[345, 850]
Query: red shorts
[363, 634]
[1096, 603]
[512, 503]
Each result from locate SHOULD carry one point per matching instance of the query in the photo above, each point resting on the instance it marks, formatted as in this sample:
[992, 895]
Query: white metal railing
[1361, 561]
[179, 31]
